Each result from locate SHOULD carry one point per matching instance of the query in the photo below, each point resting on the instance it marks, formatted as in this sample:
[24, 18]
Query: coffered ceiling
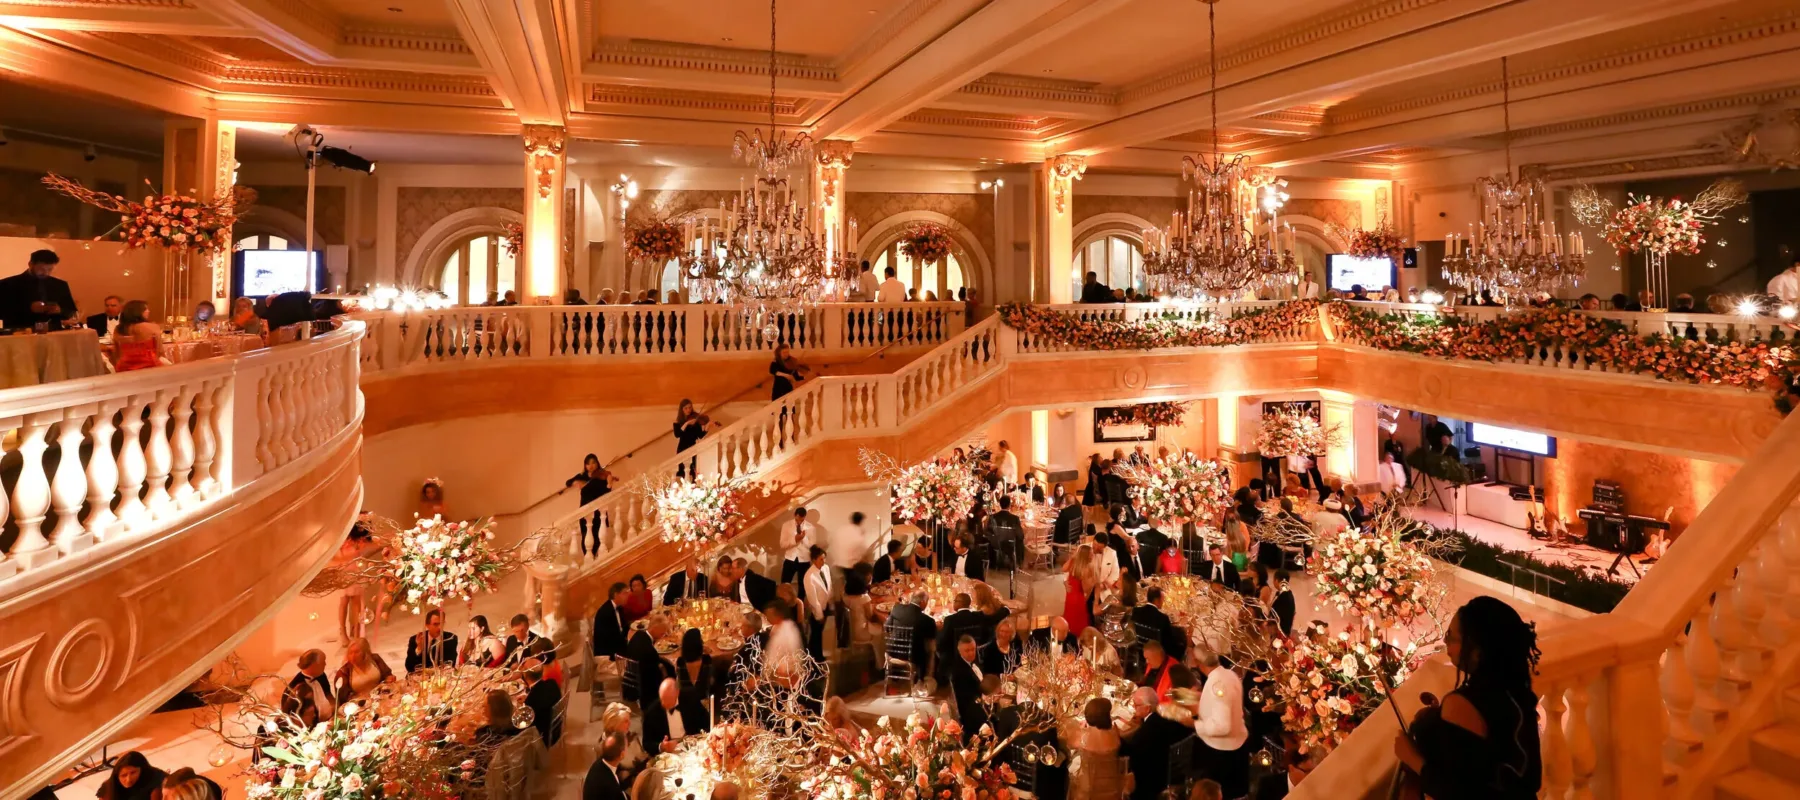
[1359, 86]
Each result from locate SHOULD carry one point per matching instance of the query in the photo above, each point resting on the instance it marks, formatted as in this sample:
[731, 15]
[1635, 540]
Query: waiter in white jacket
[819, 600]
[1220, 725]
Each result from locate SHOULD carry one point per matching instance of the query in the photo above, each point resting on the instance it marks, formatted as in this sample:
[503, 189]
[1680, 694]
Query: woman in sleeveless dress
[1080, 582]
[481, 648]
[361, 673]
[431, 499]
[138, 344]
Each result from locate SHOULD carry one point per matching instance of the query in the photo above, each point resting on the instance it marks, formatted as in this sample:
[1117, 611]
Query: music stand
[1625, 557]
[1628, 545]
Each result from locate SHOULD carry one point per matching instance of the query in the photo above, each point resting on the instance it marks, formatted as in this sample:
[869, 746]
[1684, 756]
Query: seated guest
[861, 622]
[1068, 521]
[138, 342]
[609, 624]
[923, 558]
[520, 638]
[694, 668]
[602, 782]
[753, 589]
[542, 696]
[106, 322]
[909, 615]
[541, 653]
[1218, 570]
[965, 675]
[308, 696]
[362, 671]
[650, 667]
[1001, 656]
[638, 600]
[1149, 745]
[964, 621]
[987, 604]
[1150, 623]
[687, 584]
[966, 562]
[133, 778]
[185, 784]
[1098, 651]
[431, 647]
[669, 720]
[837, 715]
[1161, 672]
[482, 648]
[499, 726]
[244, 318]
[1096, 772]
[1151, 543]
[729, 685]
[1055, 639]
[204, 311]
[885, 566]
[724, 579]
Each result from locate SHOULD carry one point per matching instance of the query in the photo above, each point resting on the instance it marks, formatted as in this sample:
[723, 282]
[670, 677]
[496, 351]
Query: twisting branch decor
[170, 221]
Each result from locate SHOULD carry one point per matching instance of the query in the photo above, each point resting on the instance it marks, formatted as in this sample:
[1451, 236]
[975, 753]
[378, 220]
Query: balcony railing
[475, 335]
[1719, 327]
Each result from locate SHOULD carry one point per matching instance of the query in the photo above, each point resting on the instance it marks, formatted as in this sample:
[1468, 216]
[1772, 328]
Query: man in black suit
[541, 696]
[1068, 521]
[1114, 484]
[431, 647]
[965, 686]
[1093, 291]
[671, 719]
[602, 781]
[106, 322]
[1218, 570]
[1149, 745]
[1057, 634]
[650, 666]
[609, 624]
[1008, 536]
[308, 695]
[966, 562]
[1150, 623]
[685, 585]
[520, 643]
[34, 296]
[910, 615]
[964, 621]
[747, 663]
[754, 589]
[885, 566]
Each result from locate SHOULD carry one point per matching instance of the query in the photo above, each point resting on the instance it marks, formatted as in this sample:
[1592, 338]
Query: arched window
[478, 270]
[940, 280]
[265, 241]
[1117, 259]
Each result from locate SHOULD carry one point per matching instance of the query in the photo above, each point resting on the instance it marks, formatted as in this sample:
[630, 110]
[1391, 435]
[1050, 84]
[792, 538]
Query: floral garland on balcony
[1599, 341]
[1246, 327]
[1287, 432]
[699, 515]
[1181, 486]
[926, 242]
[936, 491]
[655, 241]
[1155, 415]
[170, 221]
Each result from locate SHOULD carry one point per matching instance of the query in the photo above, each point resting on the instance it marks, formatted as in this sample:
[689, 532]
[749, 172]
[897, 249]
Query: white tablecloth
[211, 347]
[1494, 502]
[29, 359]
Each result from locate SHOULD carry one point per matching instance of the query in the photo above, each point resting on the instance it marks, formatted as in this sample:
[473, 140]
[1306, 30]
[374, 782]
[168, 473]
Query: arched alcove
[977, 269]
[450, 233]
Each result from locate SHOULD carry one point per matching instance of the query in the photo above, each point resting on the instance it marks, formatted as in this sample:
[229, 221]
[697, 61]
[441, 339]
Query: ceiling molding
[787, 109]
[419, 40]
[705, 58]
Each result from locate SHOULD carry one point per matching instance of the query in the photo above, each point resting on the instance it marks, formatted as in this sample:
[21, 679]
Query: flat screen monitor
[268, 272]
[1370, 273]
[1522, 441]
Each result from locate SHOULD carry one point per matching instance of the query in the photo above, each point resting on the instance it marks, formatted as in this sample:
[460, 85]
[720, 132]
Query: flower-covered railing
[399, 339]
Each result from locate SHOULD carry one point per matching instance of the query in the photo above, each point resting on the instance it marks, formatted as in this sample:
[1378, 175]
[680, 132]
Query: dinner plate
[667, 647]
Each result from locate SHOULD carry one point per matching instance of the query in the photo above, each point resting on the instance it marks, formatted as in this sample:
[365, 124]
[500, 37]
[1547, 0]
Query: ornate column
[1055, 225]
[1354, 457]
[199, 159]
[540, 269]
[547, 597]
[833, 162]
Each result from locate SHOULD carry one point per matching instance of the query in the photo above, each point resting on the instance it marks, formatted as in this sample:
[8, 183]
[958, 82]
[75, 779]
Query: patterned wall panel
[1154, 209]
[972, 211]
[26, 203]
[419, 207]
[330, 207]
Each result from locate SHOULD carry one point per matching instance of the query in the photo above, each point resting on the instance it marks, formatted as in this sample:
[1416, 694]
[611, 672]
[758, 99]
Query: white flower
[288, 778]
[321, 779]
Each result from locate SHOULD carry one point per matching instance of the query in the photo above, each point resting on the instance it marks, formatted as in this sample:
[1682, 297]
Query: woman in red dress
[138, 344]
[638, 601]
[1080, 586]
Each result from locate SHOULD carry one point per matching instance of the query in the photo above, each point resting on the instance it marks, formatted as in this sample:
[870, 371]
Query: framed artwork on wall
[1115, 424]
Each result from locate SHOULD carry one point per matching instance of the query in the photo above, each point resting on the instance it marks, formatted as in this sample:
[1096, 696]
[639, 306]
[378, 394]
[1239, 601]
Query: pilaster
[540, 272]
[1056, 225]
[831, 164]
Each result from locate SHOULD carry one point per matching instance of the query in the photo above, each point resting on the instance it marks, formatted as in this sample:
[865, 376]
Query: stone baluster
[265, 421]
[206, 440]
[1787, 532]
[1558, 766]
[102, 473]
[1703, 664]
[1747, 599]
[158, 459]
[281, 431]
[1733, 639]
[132, 511]
[181, 487]
[1678, 698]
[68, 487]
[31, 494]
[1583, 757]
[8, 566]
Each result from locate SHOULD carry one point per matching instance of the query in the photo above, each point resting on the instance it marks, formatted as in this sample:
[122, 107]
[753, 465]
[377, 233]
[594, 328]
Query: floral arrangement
[512, 237]
[1653, 225]
[171, 221]
[729, 753]
[1181, 486]
[655, 241]
[1246, 327]
[345, 757]
[1326, 683]
[439, 561]
[1288, 431]
[926, 242]
[1595, 341]
[1059, 686]
[940, 491]
[922, 758]
[698, 515]
[1155, 415]
[1381, 241]
[1375, 575]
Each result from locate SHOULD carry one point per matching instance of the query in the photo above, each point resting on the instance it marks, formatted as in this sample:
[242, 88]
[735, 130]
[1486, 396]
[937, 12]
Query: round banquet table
[30, 359]
[211, 347]
[941, 590]
[717, 618]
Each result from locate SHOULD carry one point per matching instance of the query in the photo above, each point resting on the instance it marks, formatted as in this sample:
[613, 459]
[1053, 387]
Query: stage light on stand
[344, 159]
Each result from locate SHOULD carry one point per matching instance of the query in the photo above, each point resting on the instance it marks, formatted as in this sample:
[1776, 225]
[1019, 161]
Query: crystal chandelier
[1214, 248]
[765, 251]
[1512, 251]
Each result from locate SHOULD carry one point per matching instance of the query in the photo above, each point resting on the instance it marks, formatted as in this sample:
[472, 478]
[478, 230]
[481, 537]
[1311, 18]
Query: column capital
[834, 152]
[1063, 169]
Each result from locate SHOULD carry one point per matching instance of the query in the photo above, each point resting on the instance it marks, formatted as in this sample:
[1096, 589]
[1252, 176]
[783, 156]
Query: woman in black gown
[690, 428]
[595, 483]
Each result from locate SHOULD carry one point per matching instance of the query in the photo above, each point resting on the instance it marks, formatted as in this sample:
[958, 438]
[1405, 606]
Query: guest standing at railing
[867, 285]
[891, 290]
[1093, 291]
[595, 482]
[1482, 742]
[1786, 286]
[786, 371]
[138, 344]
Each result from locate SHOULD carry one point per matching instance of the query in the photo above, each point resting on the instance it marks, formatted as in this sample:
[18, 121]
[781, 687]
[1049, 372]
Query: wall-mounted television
[265, 272]
[1522, 441]
[1343, 272]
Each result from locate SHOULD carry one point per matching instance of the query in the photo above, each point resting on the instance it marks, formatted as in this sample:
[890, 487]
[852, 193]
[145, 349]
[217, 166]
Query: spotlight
[1785, 312]
[1748, 307]
[1430, 297]
[344, 159]
[90, 154]
[993, 184]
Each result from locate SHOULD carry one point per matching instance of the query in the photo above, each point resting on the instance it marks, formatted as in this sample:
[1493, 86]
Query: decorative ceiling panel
[823, 28]
[662, 99]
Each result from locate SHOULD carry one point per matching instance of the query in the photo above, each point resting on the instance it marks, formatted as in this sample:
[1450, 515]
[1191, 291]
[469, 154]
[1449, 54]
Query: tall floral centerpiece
[701, 514]
[921, 758]
[428, 564]
[1381, 241]
[1658, 227]
[1180, 486]
[655, 241]
[1289, 431]
[1375, 575]
[926, 242]
[926, 493]
[1327, 683]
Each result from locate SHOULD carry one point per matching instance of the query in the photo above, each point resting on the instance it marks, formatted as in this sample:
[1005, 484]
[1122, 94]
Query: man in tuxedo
[1055, 639]
[520, 638]
[965, 686]
[1149, 744]
[609, 624]
[819, 587]
[650, 666]
[754, 589]
[687, 584]
[1008, 536]
[1093, 291]
[964, 621]
[797, 539]
[1218, 570]
[670, 719]
[967, 562]
[1161, 673]
[602, 782]
[34, 296]
[1150, 623]
[886, 566]
[1068, 521]
[308, 696]
[910, 615]
[106, 323]
[431, 647]
[541, 696]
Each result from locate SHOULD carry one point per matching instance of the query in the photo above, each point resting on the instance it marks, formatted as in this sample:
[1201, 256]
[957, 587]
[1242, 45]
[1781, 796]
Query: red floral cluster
[1254, 325]
[926, 242]
[1156, 415]
[512, 237]
[1596, 341]
[654, 241]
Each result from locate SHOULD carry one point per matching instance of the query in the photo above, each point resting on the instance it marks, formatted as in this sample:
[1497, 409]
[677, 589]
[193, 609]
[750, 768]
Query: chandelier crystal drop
[1227, 241]
[1511, 251]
